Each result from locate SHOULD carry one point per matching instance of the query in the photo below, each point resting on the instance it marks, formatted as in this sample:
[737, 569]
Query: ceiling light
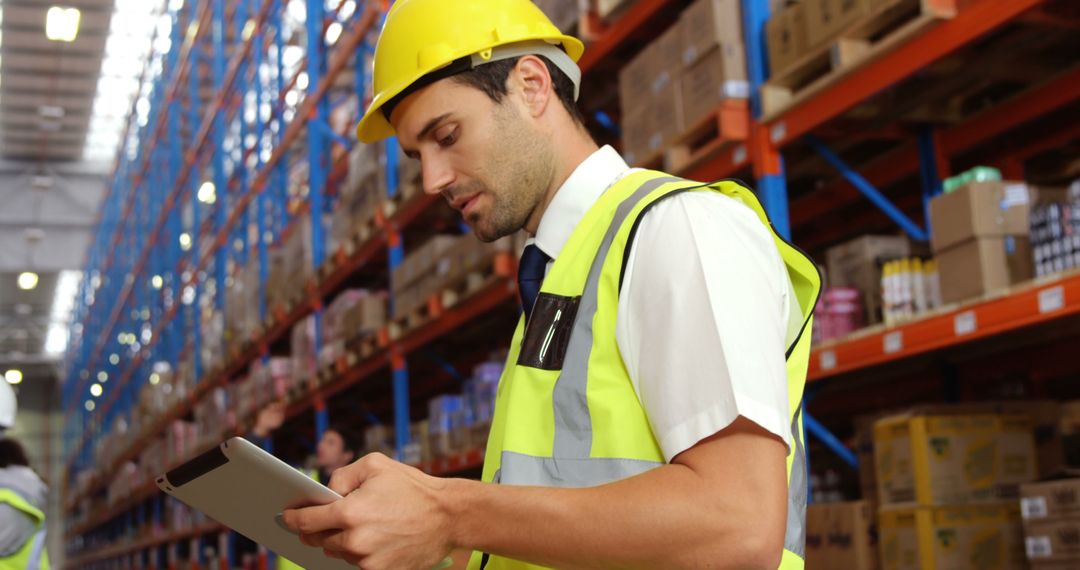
[185, 241]
[155, 378]
[96, 390]
[114, 359]
[89, 405]
[156, 281]
[103, 376]
[51, 111]
[42, 182]
[206, 193]
[28, 280]
[13, 376]
[333, 32]
[62, 24]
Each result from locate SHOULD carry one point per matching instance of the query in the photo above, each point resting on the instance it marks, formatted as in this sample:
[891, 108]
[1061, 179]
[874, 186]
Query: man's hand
[269, 419]
[392, 517]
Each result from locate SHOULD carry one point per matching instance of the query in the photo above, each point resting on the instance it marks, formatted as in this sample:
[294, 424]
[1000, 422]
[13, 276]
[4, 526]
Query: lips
[464, 203]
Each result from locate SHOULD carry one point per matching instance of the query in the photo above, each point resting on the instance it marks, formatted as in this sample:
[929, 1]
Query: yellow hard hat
[446, 36]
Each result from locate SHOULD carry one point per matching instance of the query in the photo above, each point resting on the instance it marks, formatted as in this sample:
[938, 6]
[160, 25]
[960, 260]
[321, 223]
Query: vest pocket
[548, 332]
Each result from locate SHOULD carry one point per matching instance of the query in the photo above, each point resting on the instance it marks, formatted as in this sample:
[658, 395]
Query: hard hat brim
[374, 126]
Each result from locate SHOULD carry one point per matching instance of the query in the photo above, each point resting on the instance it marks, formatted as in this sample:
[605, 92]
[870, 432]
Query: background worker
[339, 446]
[22, 499]
[649, 413]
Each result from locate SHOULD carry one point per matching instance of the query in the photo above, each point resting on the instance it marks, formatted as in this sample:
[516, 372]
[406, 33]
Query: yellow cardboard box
[986, 537]
[933, 460]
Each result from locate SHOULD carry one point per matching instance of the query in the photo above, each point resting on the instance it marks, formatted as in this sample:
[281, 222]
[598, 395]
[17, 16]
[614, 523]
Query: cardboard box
[1053, 540]
[664, 121]
[982, 265]
[785, 34]
[635, 132]
[718, 76]
[934, 460]
[979, 209]
[843, 535]
[951, 538]
[827, 19]
[1050, 500]
[858, 264]
[665, 63]
[635, 84]
[707, 24]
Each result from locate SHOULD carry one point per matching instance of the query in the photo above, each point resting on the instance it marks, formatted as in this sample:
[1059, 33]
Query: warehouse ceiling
[64, 108]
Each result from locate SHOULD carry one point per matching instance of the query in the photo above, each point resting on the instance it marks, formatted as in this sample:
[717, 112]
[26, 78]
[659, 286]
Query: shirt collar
[581, 190]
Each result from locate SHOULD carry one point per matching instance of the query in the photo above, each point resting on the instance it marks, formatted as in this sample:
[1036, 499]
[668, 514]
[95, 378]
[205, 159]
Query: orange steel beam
[904, 161]
[976, 19]
[1035, 304]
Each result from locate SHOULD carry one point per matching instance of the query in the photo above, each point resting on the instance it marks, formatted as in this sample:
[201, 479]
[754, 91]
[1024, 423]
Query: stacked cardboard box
[858, 264]
[676, 81]
[242, 305]
[785, 37]
[1069, 426]
[980, 238]
[441, 262]
[1051, 513]
[841, 535]
[948, 486]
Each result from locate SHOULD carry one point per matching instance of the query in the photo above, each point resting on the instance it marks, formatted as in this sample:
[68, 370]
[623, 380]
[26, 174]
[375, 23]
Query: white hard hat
[7, 405]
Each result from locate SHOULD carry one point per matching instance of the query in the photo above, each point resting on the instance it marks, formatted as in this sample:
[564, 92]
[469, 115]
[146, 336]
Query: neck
[568, 154]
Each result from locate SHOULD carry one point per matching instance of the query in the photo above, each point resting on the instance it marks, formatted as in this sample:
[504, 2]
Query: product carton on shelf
[858, 263]
[1051, 514]
[304, 359]
[634, 83]
[715, 77]
[951, 538]
[827, 19]
[841, 535]
[933, 460]
[980, 238]
[1069, 424]
[785, 34]
[708, 24]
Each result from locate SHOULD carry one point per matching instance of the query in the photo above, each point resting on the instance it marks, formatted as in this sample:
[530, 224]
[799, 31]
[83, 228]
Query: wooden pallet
[499, 266]
[865, 40]
[727, 126]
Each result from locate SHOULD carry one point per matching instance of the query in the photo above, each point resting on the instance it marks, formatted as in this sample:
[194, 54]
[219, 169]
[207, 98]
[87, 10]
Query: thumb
[349, 478]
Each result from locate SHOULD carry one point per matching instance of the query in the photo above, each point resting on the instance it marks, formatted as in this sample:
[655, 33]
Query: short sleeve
[703, 321]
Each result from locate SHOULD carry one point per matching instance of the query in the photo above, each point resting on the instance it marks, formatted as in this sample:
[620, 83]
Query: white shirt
[706, 310]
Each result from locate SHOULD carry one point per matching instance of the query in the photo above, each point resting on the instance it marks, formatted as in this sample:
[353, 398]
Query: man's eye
[449, 139]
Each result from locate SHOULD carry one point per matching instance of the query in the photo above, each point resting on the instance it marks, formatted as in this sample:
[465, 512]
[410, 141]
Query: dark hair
[12, 453]
[351, 439]
[491, 79]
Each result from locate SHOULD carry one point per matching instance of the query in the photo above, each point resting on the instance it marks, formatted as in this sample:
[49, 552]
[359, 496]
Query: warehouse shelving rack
[164, 171]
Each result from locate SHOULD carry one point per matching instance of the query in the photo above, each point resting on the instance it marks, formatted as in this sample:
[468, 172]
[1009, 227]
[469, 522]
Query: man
[22, 508]
[339, 446]
[649, 414]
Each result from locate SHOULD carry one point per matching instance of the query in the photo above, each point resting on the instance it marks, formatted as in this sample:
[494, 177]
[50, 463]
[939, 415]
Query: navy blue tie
[530, 275]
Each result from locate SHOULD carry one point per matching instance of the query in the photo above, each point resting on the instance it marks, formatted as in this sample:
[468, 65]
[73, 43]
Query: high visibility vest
[32, 555]
[566, 412]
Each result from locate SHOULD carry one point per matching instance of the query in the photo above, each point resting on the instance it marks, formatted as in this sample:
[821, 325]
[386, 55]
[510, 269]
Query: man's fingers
[311, 520]
[349, 478]
[317, 539]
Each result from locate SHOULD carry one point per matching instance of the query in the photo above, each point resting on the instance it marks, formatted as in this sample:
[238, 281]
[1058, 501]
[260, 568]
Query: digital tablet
[245, 488]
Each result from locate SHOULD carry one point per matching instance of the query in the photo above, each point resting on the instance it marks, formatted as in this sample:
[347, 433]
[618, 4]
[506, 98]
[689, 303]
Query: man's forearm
[669, 517]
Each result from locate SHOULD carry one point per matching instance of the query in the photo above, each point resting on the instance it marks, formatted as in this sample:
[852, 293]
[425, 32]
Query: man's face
[485, 158]
[331, 452]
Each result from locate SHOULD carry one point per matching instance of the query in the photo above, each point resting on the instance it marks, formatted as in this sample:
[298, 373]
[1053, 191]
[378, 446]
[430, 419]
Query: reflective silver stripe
[521, 469]
[795, 534]
[34, 562]
[573, 425]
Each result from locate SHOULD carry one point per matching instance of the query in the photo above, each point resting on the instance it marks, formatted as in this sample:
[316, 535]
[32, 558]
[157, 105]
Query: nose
[436, 174]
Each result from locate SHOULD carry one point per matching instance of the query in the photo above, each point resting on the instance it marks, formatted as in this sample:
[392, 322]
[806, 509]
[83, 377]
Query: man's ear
[532, 78]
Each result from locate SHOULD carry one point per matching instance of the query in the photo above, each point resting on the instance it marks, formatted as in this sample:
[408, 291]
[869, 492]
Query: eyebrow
[424, 131]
